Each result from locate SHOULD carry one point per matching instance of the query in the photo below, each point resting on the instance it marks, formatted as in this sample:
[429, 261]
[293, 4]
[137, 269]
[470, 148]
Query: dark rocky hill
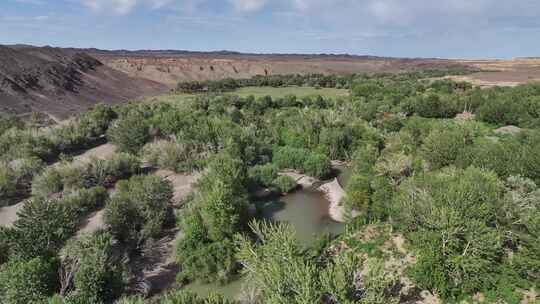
[61, 82]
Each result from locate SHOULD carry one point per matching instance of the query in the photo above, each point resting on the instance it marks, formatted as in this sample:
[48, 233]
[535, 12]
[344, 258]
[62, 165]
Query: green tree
[138, 209]
[90, 272]
[285, 184]
[32, 281]
[317, 165]
[450, 217]
[443, 145]
[129, 133]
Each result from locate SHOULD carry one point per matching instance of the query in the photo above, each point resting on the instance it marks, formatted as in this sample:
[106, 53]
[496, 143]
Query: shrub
[501, 156]
[450, 216]
[32, 281]
[129, 133]
[95, 122]
[207, 262]
[4, 246]
[96, 172]
[376, 282]
[289, 158]
[8, 122]
[8, 184]
[22, 169]
[138, 209]
[188, 297]
[435, 106]
[90, 271]
[45, 224]
[358, 193]
[501, 112]
[99, 172]
[69, 138]
[317, 165]
[16, 144]
[521, 215]
[47, 183]
[314, 164]
[443, 146]
[170, 155]
[217, 214]
[278, 267]
[222, 210]
[285, 184]
[263, 175]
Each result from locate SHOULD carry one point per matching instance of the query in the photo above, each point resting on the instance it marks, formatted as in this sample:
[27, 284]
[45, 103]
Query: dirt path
[93, 223]
[105, 151]
[157, 263]
[182, 183]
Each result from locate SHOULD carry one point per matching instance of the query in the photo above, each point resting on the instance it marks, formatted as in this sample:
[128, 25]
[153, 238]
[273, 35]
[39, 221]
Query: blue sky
[400, 28]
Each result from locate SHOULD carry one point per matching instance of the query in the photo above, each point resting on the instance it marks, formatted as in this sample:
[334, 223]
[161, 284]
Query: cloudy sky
[400, 28]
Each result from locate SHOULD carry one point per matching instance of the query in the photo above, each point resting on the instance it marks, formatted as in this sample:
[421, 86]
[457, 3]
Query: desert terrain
[63, 81]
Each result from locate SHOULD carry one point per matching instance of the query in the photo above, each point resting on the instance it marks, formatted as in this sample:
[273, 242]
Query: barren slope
[61, 82]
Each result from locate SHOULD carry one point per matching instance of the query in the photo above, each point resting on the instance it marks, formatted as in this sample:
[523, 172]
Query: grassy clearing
[293, 90]
[259, 92]
[170, 98]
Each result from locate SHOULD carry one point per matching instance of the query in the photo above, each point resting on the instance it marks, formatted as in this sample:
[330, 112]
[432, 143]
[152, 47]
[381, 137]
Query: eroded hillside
[61, 82]
[170, 67]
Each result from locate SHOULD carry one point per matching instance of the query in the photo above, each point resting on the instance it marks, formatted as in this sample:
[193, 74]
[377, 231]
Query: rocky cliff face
[170, 67]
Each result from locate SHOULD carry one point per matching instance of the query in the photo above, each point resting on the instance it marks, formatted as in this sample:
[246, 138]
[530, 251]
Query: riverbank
[333, 191]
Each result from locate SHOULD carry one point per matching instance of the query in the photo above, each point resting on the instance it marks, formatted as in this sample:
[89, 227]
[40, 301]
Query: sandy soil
[158, 265]
[507, 130]
[301, 179]
[8, 215]
[182, 183]
[335, 193]
[105, 151]
[93, 223]
[509, 72]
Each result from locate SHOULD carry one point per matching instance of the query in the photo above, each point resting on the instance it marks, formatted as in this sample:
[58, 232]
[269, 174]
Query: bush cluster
[171, 155]
[138, 209]
[16, 177]
[311, 163]
[207, 251]
[45, 224]
[96, 172]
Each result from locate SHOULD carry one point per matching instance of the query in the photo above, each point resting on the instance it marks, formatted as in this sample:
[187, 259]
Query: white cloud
[248, 5]
[159, 3]
[119, 7]
[122, 7]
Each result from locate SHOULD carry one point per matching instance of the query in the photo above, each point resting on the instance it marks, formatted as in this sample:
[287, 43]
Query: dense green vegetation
[463, 195]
